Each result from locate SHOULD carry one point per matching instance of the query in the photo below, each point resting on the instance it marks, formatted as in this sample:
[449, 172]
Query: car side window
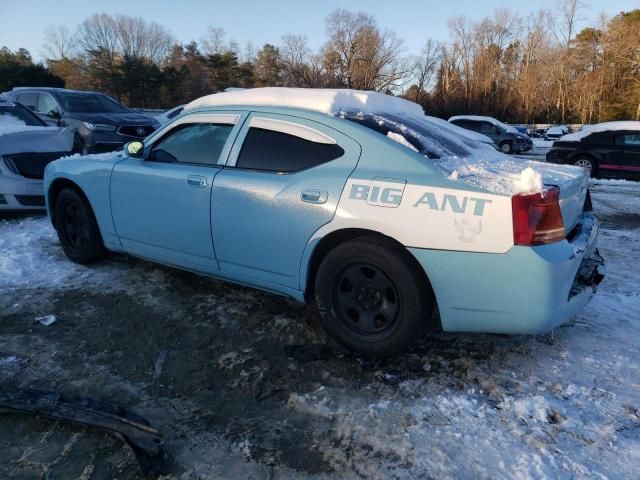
[273, 151]
[46, 104]
[486, 127]
[198, 143]
[628, 139]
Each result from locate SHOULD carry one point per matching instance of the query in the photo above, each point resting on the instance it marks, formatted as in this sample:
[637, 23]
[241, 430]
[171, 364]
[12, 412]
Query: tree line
[542, 68]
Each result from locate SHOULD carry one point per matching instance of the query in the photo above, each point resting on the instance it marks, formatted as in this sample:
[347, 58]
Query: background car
[169, 115]
[27, 145]
[555, 132]
[102, 124]
[609, 150]
[506, 137]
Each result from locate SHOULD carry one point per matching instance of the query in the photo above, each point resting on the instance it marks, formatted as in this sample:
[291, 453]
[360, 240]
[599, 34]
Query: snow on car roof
[322, 100]
[629, 125]
[494, 121]
[481, 166]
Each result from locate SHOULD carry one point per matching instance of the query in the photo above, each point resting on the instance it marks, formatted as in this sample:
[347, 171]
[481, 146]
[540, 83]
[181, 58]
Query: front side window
[198, 143]
[273, 151]
[46, 104]
[487, 128]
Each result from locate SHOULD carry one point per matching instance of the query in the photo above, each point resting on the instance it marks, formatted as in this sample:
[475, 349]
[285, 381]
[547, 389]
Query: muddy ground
[204, 361]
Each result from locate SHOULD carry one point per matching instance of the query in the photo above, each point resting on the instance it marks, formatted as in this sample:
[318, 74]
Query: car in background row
[555, 132]
[102, 124]
[27, 145]
[506, 137]
[166, 117]
[608, 150]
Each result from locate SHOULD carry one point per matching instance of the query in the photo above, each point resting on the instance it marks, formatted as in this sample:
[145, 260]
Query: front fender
[91, 174]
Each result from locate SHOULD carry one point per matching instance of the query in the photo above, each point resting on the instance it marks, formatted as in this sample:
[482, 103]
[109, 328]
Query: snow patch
[397, 137]
[529, 181]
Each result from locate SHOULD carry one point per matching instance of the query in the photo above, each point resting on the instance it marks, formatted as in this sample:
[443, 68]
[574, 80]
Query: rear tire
[373, 297]
[77, 228]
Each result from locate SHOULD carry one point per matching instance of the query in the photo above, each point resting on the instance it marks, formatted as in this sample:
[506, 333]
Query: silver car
[27, 145]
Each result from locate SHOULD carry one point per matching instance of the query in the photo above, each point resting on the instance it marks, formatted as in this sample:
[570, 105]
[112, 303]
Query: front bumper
[527, 290]
[18, 193]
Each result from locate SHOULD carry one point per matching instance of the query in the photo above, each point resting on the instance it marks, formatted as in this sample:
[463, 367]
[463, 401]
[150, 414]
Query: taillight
[537, 218]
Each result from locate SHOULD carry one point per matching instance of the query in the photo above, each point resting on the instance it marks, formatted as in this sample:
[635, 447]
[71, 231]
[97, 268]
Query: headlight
[99, 126]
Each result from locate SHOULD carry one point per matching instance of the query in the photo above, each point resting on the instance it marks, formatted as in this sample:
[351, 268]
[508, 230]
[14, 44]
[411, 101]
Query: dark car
[609, 150]
[506, 137]
[102, 124]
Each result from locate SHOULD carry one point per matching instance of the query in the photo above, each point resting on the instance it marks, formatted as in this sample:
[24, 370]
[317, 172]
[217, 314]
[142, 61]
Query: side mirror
[134, 149]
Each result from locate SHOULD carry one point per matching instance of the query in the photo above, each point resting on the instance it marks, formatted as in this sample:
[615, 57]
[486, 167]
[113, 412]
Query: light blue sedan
[394, 223]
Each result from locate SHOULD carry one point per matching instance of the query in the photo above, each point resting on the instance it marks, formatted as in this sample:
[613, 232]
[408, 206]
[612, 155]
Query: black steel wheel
[77, 227]
[373, 296]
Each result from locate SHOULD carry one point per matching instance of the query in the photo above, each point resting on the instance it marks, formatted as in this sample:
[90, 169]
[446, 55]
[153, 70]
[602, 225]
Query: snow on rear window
[398, 137]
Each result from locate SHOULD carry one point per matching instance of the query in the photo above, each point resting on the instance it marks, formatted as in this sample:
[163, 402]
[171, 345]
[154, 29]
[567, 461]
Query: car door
[282, 182]
[629, 144]
[161, 204]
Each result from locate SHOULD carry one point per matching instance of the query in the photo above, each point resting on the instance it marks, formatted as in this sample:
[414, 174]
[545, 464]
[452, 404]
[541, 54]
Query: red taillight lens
[537, 218]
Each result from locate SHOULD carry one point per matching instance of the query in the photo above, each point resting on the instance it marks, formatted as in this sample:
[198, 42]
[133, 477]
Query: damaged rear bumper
[527, 290]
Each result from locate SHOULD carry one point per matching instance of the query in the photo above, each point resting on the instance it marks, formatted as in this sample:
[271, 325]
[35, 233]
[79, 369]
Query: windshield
[17, 114]
[432, 137]
[89, 103]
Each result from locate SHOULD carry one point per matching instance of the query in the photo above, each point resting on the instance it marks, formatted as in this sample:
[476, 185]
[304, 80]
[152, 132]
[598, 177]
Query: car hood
[129, 118]
[36, 140]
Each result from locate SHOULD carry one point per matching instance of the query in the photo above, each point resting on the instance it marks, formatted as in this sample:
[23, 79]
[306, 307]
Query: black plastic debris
[135, 431]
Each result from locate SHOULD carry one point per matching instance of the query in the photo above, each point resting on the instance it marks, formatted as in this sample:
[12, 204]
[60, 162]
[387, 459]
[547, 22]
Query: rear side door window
[29, 100]
[283, 147]
[192, 143]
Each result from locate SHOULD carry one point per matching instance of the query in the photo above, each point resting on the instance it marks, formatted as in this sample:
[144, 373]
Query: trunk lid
[573, 187]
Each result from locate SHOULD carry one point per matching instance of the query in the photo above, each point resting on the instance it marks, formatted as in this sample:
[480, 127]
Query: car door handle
[197, 181]
[314, 196]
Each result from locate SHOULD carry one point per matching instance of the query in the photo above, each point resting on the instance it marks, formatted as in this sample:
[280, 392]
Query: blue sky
[22, 22]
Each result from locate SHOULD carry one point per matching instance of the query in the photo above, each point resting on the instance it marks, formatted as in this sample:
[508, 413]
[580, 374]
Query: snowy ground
[230, 403]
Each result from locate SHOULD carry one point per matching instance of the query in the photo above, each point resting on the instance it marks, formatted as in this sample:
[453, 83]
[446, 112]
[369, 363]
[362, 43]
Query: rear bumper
[527, 290]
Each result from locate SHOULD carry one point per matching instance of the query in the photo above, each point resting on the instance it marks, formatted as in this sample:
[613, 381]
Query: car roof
[53, 90]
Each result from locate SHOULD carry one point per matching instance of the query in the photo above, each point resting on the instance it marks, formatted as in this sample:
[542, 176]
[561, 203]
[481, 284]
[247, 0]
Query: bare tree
[58, 43]
[215, 41]
[362, 55]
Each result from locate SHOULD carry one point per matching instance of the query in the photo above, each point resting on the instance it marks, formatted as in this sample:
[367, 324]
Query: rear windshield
[18, 113]
[432, 137]
[89, 103]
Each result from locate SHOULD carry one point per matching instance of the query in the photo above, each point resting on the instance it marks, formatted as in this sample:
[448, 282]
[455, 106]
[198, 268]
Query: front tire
[506, 147]
[373, 297]
[587, 163]
[77, 228]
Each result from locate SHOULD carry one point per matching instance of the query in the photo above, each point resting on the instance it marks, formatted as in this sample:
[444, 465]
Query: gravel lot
[231, 404]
